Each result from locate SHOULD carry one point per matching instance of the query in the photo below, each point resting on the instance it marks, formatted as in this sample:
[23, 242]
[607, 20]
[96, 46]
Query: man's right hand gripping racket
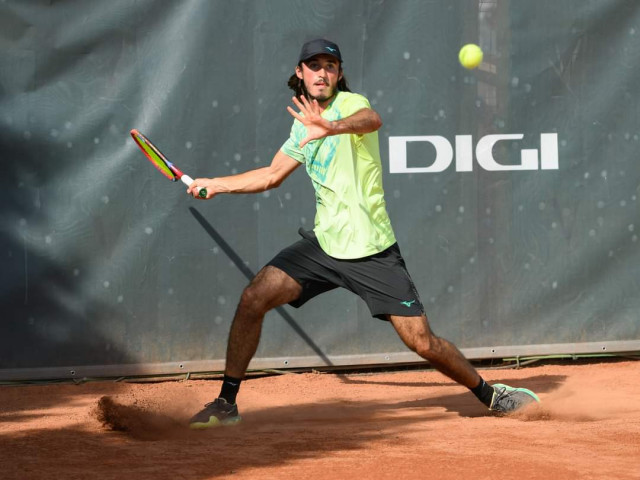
[165, 167]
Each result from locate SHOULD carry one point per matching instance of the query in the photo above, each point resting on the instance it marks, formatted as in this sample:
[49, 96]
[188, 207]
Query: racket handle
[187, 180]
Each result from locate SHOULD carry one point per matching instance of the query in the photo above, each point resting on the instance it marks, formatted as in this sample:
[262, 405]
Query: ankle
[229, 390]
[483, 392]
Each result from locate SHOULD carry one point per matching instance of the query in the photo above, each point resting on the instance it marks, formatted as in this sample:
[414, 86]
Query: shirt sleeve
[291, 147]
[354, 103]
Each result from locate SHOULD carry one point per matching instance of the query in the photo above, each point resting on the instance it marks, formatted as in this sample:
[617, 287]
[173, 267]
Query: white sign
[529, 159]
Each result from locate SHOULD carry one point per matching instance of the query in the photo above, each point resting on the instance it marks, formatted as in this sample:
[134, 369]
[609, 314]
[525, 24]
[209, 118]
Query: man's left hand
[311, 117]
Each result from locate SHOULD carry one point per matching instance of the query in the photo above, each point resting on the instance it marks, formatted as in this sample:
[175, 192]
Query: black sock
[230, 387]
[484, 392]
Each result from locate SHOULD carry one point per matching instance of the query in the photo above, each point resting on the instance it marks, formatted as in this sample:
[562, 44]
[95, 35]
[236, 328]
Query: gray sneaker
[215, 414]
[507, 399]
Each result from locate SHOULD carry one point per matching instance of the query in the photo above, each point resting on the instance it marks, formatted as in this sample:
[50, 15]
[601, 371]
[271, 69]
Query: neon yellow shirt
[351, 216]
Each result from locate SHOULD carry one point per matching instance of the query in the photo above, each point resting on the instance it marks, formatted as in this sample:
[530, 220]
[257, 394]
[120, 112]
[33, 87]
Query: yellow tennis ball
[470, 56]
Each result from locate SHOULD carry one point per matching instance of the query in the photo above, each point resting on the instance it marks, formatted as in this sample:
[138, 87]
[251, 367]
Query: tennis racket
[165, 167]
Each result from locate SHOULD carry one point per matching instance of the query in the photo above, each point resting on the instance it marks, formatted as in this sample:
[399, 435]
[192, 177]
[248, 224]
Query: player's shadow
[269, 437]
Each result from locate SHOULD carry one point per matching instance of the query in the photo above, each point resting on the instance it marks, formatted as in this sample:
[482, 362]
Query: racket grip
[187, 180]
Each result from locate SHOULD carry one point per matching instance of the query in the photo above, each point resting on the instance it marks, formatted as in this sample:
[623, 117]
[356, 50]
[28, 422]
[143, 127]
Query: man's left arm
[363, 121]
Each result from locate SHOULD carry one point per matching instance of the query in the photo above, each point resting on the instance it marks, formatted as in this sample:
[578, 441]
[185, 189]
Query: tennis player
[334, 135]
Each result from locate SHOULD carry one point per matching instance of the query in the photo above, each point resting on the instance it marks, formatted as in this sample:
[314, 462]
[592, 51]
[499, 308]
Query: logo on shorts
[408, 303]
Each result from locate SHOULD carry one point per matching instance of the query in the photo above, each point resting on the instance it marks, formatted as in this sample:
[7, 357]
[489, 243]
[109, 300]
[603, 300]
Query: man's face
[320, 75]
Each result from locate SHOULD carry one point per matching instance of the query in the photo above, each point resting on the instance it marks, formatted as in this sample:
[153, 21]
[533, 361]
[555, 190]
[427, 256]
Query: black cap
[317, 47]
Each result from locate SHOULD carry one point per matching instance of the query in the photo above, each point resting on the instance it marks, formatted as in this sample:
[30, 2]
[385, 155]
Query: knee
[428, 347]
[269, 289]
[252, 300]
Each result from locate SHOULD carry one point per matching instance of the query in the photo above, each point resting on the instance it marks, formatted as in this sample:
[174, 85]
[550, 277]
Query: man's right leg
[270, 288]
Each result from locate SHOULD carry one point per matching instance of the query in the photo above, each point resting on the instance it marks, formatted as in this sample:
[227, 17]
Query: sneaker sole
[215, 422]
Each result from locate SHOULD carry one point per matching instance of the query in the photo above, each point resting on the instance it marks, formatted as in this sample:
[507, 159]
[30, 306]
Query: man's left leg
[445, 357]
[442, 354]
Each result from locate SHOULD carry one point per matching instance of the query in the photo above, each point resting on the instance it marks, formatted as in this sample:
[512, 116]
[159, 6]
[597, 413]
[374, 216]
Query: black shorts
[381, 280]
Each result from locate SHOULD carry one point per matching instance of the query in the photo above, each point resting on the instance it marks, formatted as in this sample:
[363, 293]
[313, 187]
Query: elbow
[273, 181]
[272, 184]
[377, 121]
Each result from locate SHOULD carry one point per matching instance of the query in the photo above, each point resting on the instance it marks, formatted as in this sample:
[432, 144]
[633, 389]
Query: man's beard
[324, 98]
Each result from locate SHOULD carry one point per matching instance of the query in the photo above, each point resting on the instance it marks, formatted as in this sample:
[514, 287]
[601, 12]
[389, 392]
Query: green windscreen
[513, 189]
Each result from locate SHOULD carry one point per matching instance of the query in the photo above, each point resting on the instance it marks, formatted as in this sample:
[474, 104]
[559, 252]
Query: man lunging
[334, 135]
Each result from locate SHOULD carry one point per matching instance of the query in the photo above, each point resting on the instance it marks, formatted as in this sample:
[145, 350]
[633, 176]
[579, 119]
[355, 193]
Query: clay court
[409, 425]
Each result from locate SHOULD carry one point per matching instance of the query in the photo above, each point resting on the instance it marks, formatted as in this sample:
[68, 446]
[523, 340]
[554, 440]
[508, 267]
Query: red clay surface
[408, 425]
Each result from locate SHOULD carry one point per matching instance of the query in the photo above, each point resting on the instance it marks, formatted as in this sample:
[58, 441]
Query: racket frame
[177, 174]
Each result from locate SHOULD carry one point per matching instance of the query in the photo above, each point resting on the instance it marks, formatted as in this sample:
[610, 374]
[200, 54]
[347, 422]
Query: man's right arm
[252, 181]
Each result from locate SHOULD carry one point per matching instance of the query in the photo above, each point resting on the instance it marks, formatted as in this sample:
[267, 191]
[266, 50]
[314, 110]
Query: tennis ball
[470, 56]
